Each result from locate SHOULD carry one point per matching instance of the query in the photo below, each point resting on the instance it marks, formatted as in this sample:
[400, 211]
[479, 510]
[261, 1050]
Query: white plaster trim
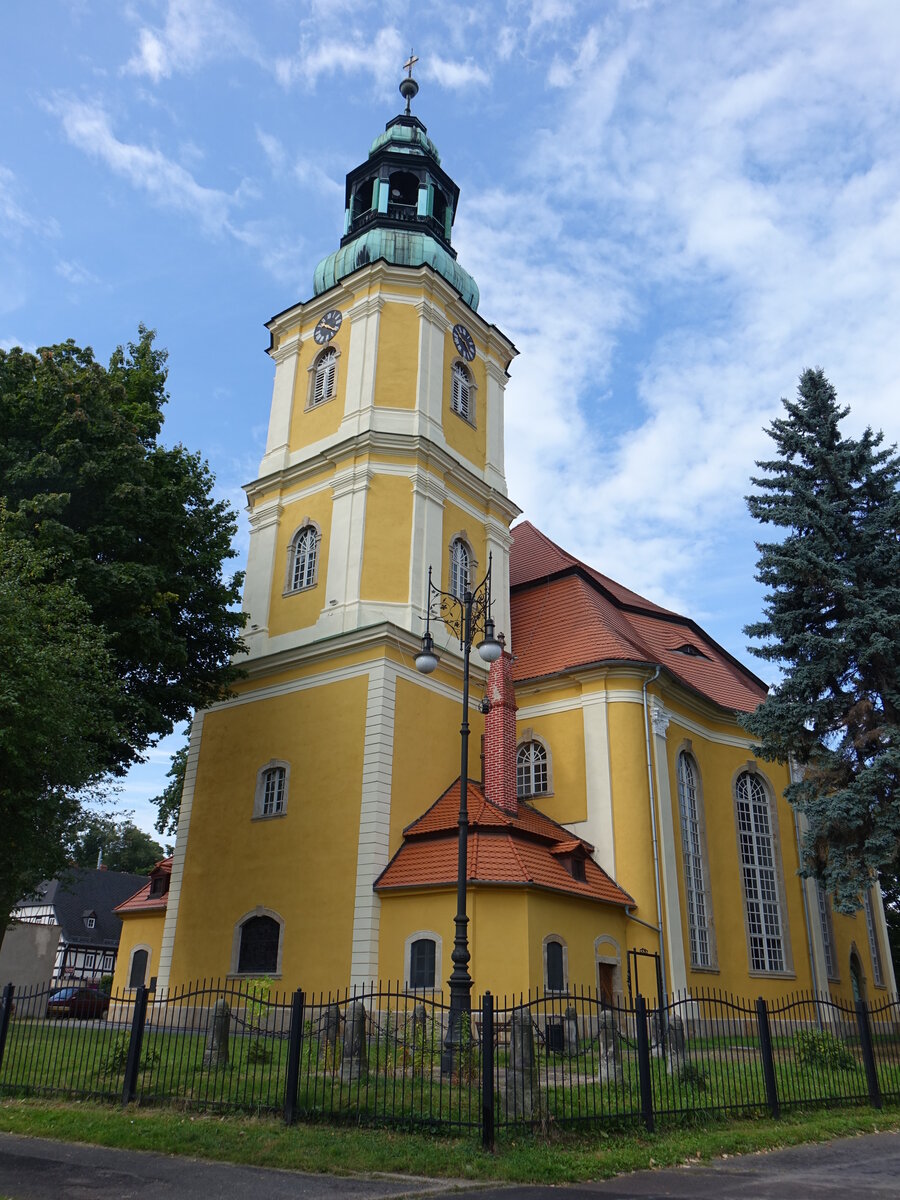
[668, 859]
[887, 962]
[374, 821]
[598, 828]
[421, 934]
[180, 853]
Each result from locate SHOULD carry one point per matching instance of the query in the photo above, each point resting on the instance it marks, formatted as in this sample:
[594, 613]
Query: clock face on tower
[462, 340]
[328, 326]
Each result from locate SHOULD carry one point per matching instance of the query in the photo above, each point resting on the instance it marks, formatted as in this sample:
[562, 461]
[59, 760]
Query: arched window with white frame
[303, 559]
[462, 393]
[556, 963]
[257, 943]
[532, 769]
[271, 795]
[460, 567]
[759, 874]
[694, 861]
[325, 378]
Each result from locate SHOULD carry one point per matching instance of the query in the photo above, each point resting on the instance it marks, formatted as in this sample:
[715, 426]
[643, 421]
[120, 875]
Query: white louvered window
[306, 558]
[461, 391]
[694, 870]
[874, 948]
[326, 373]
[460, 565]
[273, 791]
[532, 778]
[827, 933]
[759, 875]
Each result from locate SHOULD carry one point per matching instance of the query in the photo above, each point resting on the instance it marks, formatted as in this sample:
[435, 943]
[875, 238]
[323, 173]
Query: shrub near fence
[376, 1055]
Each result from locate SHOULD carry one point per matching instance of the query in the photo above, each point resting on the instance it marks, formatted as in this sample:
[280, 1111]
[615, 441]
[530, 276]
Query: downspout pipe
[664, 998]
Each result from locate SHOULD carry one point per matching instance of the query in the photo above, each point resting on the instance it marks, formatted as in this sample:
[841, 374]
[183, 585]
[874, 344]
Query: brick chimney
[500, 736]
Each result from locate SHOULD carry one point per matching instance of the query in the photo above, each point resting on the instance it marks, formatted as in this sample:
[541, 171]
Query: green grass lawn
[341, 1149]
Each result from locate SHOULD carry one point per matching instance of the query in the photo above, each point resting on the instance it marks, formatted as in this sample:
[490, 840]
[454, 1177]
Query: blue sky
[672, 208]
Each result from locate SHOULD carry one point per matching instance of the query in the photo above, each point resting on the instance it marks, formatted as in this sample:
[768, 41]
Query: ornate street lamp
[467, 615]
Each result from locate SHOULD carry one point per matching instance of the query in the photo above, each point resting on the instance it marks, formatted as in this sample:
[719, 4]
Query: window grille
[827, 939]
[421, 963]
[459, 568]
[273, 791]
[532, 776]
[259, 946]
[874, 948]
[326, 372]
[306, 557]
[694, 871]
[758, 872]
[461, 391]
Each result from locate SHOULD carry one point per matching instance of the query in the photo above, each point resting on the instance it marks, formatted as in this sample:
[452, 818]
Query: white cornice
[336, 297]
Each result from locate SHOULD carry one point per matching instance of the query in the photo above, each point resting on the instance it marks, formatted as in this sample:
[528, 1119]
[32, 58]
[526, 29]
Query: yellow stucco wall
[309, 425]
[398, 356]
[138, 929]
[298, 610]
[300, 865]
[385, 571]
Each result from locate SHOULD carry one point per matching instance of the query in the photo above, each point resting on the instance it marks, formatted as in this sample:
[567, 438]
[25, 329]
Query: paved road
[866, 1168]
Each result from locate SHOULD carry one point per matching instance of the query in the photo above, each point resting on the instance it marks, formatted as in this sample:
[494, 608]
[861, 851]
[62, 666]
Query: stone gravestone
[216, 1052]
[521, 1095]
[676, 1044]
[610, 1042]
[355, 1064]
[331, 1026]
[571, 1030]
[418, 1037]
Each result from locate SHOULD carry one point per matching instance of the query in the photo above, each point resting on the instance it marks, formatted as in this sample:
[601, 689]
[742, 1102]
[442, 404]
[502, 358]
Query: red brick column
[500, 736]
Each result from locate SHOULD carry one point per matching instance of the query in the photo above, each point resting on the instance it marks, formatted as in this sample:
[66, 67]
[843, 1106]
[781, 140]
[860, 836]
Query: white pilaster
[881, 929]
[361, 359]
[345, 554]
[494, 472]
[433, 325]
[374, 821]
[668, 860]
[258, 581]
[287, 357]
[181, 841]
[426, 550]
[498, 542]
[598, 827]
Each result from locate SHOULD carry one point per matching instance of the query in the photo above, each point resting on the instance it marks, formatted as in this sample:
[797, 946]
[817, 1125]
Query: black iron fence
[377, 1055]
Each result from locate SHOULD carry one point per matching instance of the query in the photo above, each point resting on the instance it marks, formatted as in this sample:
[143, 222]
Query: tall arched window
[759, 874]
[140, 959]
[461, 391]
[460, 567]
[874, 948]
[304, 558]
[258, 949]
[326, 375]
[694, 866]
[554, 964]
[532, 775]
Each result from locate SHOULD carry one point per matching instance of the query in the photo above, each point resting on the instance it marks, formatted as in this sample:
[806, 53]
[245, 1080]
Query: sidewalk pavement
[866, 1168]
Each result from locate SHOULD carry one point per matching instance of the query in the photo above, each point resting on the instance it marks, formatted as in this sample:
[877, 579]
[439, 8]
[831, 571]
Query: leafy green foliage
[832, 623]
[168, 803]
[59, 712]
[132, 525]
[124, 846]
[690, 1075]
[819, 1048]
[117, 1059]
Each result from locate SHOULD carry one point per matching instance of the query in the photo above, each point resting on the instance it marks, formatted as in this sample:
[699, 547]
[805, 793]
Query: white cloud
[193, 33]
[456, 75]
[74, 273]
[272, 148]
[88, 127]
[16, 217]
[311, 175]
[350, 54]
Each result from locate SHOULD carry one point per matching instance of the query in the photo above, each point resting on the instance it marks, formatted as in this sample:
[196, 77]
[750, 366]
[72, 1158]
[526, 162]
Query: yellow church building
[617, 816]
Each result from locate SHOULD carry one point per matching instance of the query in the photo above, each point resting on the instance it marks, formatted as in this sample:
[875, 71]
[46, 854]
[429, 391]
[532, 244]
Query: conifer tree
[832, 623]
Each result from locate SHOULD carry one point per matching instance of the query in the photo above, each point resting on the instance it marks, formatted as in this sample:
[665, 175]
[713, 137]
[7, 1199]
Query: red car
[78, 1002]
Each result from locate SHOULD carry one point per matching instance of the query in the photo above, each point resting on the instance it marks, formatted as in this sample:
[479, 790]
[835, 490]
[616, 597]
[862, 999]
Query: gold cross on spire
[410, 63]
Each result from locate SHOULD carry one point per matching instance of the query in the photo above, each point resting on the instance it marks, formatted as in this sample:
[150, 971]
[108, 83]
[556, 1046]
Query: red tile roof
[142, 901]
[566, 615]
[502, 849]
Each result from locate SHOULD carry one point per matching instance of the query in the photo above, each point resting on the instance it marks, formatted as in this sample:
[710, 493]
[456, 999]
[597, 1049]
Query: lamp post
[467, 615]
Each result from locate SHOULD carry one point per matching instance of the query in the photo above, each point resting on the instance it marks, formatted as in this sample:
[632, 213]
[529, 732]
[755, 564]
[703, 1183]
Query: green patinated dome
[408, 139]
[395, 246]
